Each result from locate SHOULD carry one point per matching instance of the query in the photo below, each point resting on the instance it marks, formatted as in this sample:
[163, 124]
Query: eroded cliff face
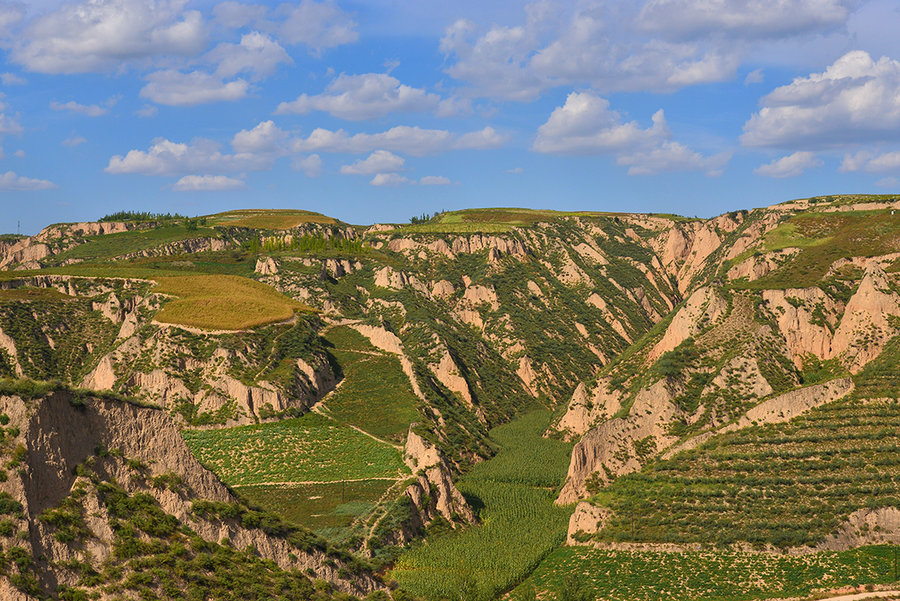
[88, 472]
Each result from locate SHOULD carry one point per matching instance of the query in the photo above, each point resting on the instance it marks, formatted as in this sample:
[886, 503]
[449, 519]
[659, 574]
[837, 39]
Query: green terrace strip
[499, 220]
[307, 449]
[520, 523]
[116, 245]
[270, 219]
[584, 573]
[27, 293]
[375, 394]
[223, 302]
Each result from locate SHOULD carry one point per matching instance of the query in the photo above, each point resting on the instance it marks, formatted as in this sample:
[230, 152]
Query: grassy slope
[520, 523]
[823, 238]
[269, 219]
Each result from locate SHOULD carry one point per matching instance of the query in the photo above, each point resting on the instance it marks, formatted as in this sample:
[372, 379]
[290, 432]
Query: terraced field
[269, 219]
[223, 302]
[786, 485]
[327, 509]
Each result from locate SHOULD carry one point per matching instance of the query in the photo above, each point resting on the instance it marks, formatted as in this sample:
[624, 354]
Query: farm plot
[375, 395]
[520, 524]
[584, 573]
[309, 449]
[327, 509]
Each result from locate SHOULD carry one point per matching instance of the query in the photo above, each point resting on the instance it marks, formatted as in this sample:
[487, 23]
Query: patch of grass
[269, 219]
[312, 448]
[724, 576]
[326, 509]
[223, 302]
[520, 523]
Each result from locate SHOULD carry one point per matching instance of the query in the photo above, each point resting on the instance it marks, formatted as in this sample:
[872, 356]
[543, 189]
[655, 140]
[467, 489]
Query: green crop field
[520, 523]
[269, 219]
[312, 448]
[787, 485]
[584, 573]
[326, 509]
[223, 302]
[375, 394]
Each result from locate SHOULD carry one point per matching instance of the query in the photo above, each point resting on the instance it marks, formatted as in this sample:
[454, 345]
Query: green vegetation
[327, 509]
[27, 293]
[723, 576]
[520, 524]
[823, 238]
[786, 485]
[269, 219]
[312, 448]
[110, 246]
[140, 216]
[223, 302]
[375, 394]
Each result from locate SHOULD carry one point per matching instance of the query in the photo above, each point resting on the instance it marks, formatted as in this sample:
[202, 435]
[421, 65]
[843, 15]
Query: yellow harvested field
[223, 302]
[270, 219]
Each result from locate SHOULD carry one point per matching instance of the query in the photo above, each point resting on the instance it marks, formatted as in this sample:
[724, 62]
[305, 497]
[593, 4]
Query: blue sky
[380, 110]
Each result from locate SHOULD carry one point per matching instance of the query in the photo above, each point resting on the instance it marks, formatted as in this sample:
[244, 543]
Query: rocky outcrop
[433, 493]
[866, 324]
[388, 277]
[758, 266]
[189, 246]
[615, 447]
[586, 519]
[805, 318]
[586, 410]
[266, 266]
[702, 309]
[863, 527]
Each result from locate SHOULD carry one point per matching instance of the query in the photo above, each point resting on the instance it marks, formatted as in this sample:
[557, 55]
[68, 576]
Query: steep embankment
[102, 490]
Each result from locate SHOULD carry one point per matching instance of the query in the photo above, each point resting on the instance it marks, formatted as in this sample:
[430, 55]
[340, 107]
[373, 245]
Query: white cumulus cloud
[872, 162]
[90, 110]
[175, 88]
[318, 25]
[11, 181]
[742, 18]
[586, 125]
[403, 138]
[389, 179]
[435, 180]
[311, 165]
[165, 157]
[856, 100]
[791, 165]
[103, 35]
[73, 141]
[266, 137]
[380, 161]
[257, 55]
[365, 96]
[207, 183]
